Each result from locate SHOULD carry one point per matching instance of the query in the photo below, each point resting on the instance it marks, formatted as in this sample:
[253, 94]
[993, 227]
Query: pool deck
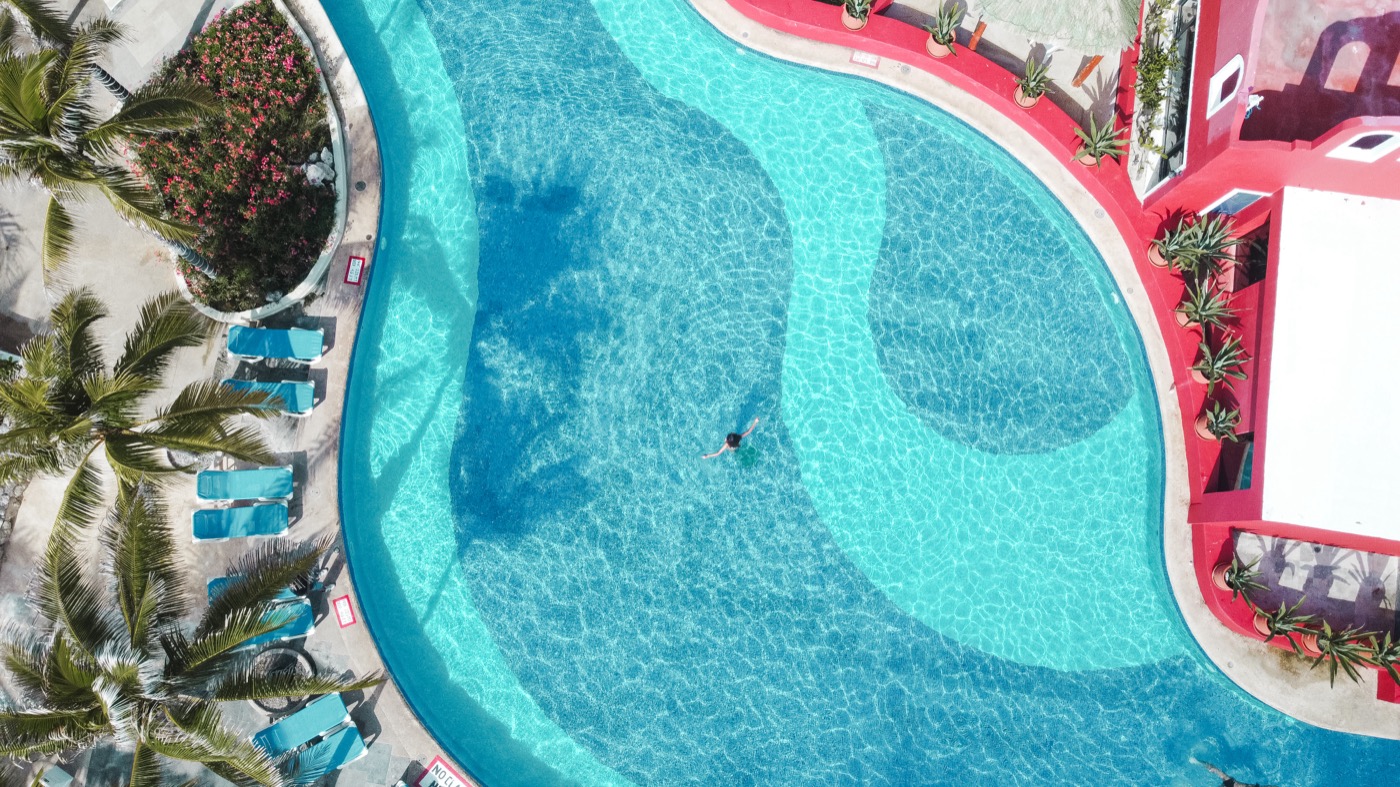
[125, 267]
[890, 52]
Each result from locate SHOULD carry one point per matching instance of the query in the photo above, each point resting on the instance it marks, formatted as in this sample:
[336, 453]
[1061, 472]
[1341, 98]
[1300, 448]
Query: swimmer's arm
[715, 454]
[752, 426]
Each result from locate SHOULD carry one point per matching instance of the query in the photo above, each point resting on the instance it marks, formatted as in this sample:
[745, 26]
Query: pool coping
[1262, 672]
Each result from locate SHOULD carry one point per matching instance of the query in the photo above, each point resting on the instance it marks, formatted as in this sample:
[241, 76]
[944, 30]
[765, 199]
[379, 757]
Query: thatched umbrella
[1088, 26]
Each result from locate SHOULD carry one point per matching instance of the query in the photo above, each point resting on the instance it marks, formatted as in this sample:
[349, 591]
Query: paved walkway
[126, 266]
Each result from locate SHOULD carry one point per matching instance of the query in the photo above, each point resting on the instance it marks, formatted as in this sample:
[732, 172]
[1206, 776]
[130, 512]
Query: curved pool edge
[353, 646]
[1258, 671]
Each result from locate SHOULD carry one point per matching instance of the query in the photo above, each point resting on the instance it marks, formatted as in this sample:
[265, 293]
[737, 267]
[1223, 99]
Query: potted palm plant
[1173, 243]
[1284, 622]
[1341, 650]
[1098, 142]
[1209, 242]
[943, 33]
[1219, 365]
[855, 13]
[1238, 578]
[1203, 305]
[1031, 87]
[1218, 423]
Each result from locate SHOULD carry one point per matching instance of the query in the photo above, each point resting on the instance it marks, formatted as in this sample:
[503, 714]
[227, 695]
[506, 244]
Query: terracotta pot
[851, 23]
[1308, 642]
[936, 49]
[1217, 576]
[1085, 158]
[1182, 319]
[1154, 256]
[1201, 430]
[1261, 625]
[1198, 377]
[1022, 101]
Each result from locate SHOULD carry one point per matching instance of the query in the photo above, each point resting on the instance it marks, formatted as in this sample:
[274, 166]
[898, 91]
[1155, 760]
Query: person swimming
[733, 440]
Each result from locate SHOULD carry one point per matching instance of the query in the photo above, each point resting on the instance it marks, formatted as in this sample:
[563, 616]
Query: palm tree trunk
[199, 261]
[110, 82]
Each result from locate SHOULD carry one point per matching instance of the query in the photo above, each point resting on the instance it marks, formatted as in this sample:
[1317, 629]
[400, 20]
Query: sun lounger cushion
[328, 756]
[259, 483]
[302, 623]
[296, 397]
[217, 585]
[217, 524]
[294, 344]
[317, 718]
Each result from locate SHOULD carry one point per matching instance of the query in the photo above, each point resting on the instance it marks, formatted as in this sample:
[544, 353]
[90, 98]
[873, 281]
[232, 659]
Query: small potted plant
[855, 14]
[1238, 578]
[1173, 243]
[1284, 622]
[1098, 142]
[1031, 87]
[1385, 654]
[1341, 650]
[943, 33]
[1219, 365]
[1208, 244]
[1203, 305]
[1218, 423]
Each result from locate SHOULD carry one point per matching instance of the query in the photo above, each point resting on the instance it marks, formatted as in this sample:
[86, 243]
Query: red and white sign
[355, 270]
[344, 613]
[440, 774]
[865, 59]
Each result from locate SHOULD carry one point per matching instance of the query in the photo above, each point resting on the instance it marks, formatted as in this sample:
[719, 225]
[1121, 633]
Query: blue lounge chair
[221, 524]
[301, 623]
[259, 483]
[334, 752]
[217, 585]
[293, 344]
[296, 397]
[298, 729]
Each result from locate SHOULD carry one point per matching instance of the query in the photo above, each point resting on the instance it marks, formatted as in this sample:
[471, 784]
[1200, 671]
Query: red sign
[344, 613]
[440, 774]
[355, 270]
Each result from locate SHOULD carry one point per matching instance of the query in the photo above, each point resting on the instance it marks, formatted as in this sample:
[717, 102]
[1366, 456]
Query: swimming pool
[610, 237]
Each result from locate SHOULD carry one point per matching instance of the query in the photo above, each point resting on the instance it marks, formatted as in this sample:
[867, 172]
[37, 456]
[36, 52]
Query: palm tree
[110, 658]
[67, 403]
[52, 137]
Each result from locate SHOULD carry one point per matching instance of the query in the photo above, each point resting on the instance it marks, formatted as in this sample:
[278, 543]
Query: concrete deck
[1272, 676]
[125, 267]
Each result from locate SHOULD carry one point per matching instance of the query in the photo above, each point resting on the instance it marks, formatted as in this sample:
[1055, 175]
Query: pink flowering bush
[238, 175]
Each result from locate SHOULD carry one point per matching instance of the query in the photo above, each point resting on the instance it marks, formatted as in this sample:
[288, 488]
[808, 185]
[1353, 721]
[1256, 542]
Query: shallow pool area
[610, 237]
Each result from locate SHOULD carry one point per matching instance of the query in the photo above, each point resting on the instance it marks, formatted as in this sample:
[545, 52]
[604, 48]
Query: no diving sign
[440, 774]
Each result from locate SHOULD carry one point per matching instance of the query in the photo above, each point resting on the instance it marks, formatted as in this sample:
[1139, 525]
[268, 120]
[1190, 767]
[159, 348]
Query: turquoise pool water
[610, 237]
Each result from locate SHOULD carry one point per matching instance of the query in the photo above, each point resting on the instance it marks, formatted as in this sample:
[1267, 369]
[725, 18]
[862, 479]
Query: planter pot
[1261, 625]
[1022, 101]
[1308, 642]
[1199, 378]
[1217, 576]
[1085, 158]
[1154, 256]
[1201, 430]
[1182, 319]
[936, 49]
[852, 23]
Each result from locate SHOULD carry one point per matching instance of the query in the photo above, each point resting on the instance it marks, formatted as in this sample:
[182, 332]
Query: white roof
[1332, 458]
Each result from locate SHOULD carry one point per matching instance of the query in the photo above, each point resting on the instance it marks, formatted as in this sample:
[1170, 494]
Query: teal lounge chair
[259, 483]
[293, 344]
[217, 585]
[298, 729]
[334, 752]
[221, 524]
[297, 398]
[301, 623]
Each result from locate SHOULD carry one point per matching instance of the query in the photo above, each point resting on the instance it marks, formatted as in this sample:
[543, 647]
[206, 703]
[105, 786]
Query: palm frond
[57, 246]
[243, 443]
[199, 734]
[145, 768]
[144, 561]
[258, 576]
[201, 657]
[73, 317]
[136, 459]
[44, 22]
[246, 682]
[134, 203]
[153, 109]
[81, 503]
[70, 600]
[210, 402]
[114, 400]
[167, 323]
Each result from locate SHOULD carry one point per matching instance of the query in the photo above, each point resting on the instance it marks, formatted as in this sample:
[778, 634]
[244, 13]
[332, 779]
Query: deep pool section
[984, 321]
[675, 237]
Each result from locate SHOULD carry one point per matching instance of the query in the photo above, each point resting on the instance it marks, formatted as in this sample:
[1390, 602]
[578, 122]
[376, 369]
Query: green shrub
[238, 176]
